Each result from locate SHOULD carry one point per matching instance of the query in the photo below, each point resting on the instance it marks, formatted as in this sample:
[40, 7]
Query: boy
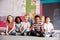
[36, 27]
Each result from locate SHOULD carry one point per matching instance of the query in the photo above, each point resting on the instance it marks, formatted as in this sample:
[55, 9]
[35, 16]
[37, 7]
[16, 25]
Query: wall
[11, 7]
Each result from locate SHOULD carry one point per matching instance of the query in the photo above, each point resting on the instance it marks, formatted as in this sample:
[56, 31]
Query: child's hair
[26, 15]
[47, 17]
[37, 16]
[42, 17]
[8, 20]
[16, 19]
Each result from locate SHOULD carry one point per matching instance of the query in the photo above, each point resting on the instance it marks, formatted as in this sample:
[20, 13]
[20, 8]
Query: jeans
[12, 32]
[51, 34]
[26, 32]
[17, 30]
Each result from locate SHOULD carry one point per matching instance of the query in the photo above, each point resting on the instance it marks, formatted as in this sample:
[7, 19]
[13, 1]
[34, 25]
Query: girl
[42, 23]
[10, 24]
[48, 26]
[18, 23]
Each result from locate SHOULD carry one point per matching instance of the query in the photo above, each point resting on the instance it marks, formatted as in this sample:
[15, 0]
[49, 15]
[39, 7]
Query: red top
[10, 26]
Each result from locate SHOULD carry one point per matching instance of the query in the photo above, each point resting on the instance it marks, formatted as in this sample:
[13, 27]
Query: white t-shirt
[25, 25]
[48, 26]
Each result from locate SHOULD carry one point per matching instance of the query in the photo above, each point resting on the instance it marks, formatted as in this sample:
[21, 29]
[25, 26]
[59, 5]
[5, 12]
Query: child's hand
[52, 30]
[7, 33]
[22, 31]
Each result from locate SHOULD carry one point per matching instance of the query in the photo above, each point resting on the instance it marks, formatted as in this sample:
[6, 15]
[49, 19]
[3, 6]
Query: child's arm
[21, 29]
[32, 27]
[7, 30]
[42, 28]
[52, 28]
[45, 29]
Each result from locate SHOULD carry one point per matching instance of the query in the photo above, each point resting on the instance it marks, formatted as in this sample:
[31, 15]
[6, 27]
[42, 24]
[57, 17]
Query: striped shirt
[37, 27]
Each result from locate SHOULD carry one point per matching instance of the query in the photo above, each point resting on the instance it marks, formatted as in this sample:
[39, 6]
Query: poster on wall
[33, 7]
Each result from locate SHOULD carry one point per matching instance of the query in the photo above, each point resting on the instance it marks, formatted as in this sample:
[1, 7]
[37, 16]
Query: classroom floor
[27, 38]
[19, 37]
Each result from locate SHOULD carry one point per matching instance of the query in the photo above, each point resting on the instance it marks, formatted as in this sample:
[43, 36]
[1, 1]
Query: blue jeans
[17, 30]
[12, 32]
[26, 30]
[52, 34]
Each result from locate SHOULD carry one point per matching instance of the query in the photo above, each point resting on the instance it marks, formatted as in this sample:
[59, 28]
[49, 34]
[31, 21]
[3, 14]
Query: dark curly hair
[16, 19]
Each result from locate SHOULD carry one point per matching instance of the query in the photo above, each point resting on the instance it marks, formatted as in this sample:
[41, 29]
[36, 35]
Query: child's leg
[17, 30]
[27, 32]
[46, 33]
[41, 34]
[53, 34]
[32, 33]
[12, 33]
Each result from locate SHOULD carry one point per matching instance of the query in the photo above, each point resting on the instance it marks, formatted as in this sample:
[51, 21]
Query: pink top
[10, 26]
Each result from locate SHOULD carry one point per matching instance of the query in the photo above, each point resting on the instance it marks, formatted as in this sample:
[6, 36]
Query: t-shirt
[37, 27]
[26, 26]
[18, 25]
[48, 26]
[10, 25]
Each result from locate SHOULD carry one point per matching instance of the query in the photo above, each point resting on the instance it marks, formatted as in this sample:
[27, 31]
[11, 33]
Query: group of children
[40, 26]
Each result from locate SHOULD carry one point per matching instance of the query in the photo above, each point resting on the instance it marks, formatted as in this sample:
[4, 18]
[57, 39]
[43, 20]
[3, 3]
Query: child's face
[47, 19]
[26, 18]
[18, 20]
[10, 18]
[37, 20]
[42, 19]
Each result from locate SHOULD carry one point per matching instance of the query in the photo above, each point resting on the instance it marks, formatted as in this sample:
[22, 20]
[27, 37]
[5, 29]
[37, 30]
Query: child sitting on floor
[18, 23]
[48, 26]
[25, 28]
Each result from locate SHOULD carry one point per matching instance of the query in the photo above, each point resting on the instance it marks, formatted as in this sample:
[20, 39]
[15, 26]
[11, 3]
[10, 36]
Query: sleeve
[52, 26]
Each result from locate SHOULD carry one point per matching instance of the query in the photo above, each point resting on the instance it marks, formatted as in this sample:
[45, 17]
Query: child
[48, 26]
[25, 28]
[18, 23]
[42, 19]
[36, 27]
[10, 24]
[30, 18]
[42, 22]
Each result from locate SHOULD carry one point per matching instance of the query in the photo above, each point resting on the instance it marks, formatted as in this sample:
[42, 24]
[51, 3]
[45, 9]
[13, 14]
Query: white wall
[11, 7]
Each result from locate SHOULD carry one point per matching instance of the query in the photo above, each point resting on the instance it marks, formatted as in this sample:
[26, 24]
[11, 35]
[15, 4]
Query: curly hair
[16, 19]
